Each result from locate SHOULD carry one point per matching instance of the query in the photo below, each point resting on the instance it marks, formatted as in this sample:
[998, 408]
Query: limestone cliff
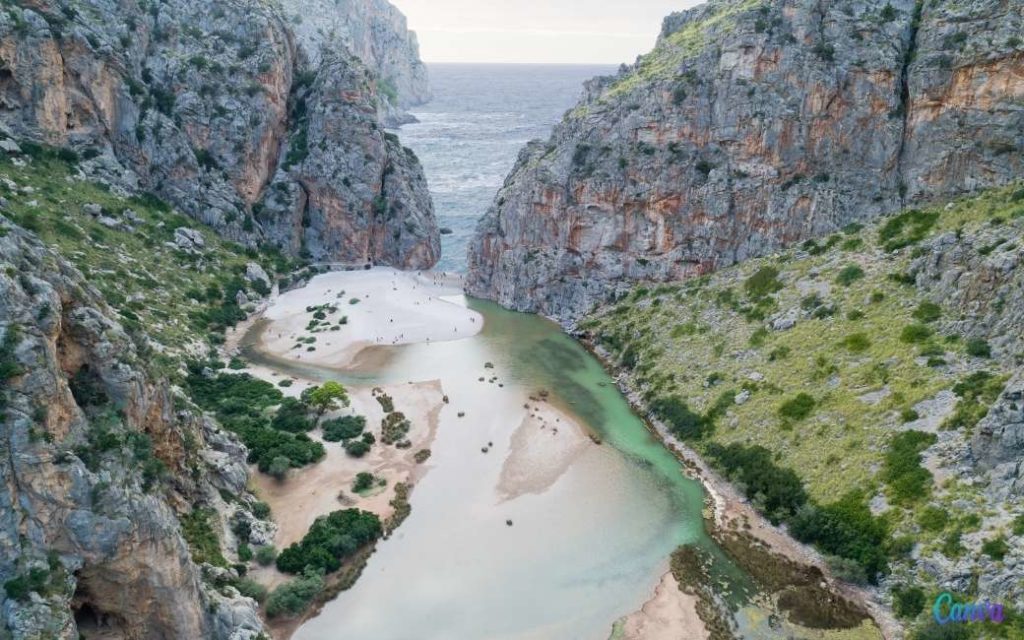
[375, 32]
[99, 459]
[204, 105]
[750, 126]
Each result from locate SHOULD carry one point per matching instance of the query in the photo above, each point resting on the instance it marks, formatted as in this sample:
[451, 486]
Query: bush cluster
[908, 481]
[329, 541]
[292, 598]
[241, 404]
[844, 529]
[977, 392]
[344, 428]
[684, 423]
[777, 491]
[906, 229]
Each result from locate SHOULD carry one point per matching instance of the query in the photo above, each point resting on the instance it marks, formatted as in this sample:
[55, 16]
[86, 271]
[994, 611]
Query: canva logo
[947, 610]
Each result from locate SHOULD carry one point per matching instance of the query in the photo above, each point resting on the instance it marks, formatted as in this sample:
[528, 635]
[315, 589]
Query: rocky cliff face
[376, 33]
[750, 126]
[98, 461]
[204, 104]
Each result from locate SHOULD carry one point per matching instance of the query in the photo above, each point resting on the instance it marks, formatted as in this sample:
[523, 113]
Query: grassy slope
[711, 338]
[156, 287]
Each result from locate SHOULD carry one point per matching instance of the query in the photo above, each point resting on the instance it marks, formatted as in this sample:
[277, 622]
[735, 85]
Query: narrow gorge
[734, 353]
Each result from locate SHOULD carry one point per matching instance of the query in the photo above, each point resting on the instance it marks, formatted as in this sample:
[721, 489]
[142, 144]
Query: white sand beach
[379, 307]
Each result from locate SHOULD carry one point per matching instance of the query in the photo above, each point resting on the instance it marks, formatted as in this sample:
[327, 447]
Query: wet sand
[670, 615]
[542, 449]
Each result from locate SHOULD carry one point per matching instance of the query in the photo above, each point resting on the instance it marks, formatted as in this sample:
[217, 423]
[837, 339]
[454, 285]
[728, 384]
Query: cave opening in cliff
[91, 620]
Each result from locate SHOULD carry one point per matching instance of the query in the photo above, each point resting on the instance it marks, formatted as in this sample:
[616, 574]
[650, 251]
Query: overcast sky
[565, 31]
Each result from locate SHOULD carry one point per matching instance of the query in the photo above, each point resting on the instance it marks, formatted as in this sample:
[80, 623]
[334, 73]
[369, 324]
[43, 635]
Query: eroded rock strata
[98, 463]
[751, 126]
[219, 108]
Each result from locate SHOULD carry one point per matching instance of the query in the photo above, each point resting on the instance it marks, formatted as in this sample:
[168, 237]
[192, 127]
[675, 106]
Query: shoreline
[531, 467]
[728, 513]
[319, 489]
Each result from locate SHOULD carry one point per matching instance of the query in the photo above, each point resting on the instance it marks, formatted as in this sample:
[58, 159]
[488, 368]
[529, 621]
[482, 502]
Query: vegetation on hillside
[125, 246]
[813, 379]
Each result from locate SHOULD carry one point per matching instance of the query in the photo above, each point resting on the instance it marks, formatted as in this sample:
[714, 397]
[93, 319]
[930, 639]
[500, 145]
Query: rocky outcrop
[749, 127]
[376, 33]
[348, 190]
[97, 463]
[202, 104]
[997, 446]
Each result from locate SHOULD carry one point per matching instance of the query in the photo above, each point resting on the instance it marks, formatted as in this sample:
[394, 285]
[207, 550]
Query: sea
[469, 135]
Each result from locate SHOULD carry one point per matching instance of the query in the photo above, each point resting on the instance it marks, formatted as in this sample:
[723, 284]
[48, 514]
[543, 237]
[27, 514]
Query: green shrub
[846, 529]
[849, 274]
[909, 415]
[995, 548]
[915, 334]
[357, 448]
[330, 540]
[978, 348]
[847, 570]
[757, 339]
[857, 343]
[202, 539]
[977, 392]
[763, 283]
[907, 228]
[8, 361]
[344, 428]
[901, 469]
[266, 556]
[680, 419]
[927, 312]
[292, 598]
[244, 552]
[239, 402]
[251, 589]
[798, 407]
[35, 581]
[278, 467]
[952, 547]
[364, 482]
[933, 518]
[1018, 525]
[260, 509]
[776, 491]
[292, 416]
[907, 602]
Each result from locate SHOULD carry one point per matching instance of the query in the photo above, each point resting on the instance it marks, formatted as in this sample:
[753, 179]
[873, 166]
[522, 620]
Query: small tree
[279, 467]
[327, 397]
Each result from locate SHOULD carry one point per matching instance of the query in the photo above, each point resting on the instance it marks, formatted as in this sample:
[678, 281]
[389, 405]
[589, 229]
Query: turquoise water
[582, 554]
